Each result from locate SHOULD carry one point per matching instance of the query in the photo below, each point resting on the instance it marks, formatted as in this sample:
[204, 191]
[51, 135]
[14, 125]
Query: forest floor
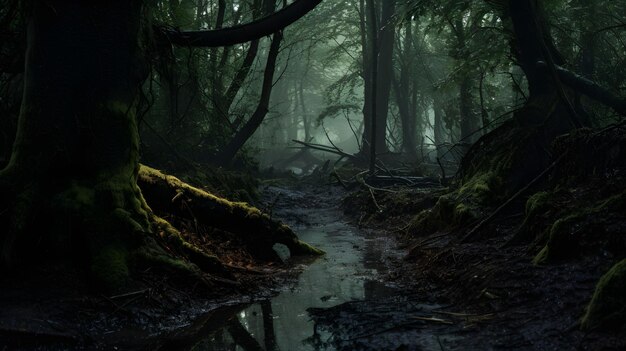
[432, 293]
[54, 308]
[482, 295]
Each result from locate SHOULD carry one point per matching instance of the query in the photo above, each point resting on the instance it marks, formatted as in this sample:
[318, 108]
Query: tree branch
[243, 33]
[589, 88]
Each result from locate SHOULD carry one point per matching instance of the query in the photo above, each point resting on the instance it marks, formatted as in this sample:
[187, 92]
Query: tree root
[107, 225]
[168, 194]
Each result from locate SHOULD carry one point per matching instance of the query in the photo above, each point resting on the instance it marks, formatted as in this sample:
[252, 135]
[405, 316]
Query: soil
[482, 295]
[440, 294]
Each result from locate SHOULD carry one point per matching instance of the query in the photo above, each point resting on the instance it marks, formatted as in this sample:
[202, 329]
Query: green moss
[302, 248]
[448, 213]
[560, 243]
[542, 256]
[255, 228]
[109, 267]
[608, 304]
[148, 173]
[118, 107]
[481, 187]
[463, 214]
[537, 202]
[565, 233]
[152, 255]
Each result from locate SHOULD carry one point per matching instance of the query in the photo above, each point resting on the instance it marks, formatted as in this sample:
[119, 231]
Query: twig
[374, 199]
[327, 149]
[130, 294]
[443, 171]
[433, 319]
[270, 207]
[336, 175]
[440, 345]
[359, 178]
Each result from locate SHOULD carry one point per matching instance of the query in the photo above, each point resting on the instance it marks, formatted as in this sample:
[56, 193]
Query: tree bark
[75, 158]
[366, 20]
[244, 33]
[527, 48]
[386, 41]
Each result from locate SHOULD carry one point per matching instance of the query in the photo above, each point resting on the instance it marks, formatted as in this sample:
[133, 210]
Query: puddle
[348, 272]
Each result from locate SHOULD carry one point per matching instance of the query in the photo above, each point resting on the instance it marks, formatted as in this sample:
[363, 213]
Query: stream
[349, 271]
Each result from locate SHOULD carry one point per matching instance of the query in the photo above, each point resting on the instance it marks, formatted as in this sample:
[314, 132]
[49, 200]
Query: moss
[542, 256]
[77, 196]
[109, 267]
[302, 248]
[481, 187]
[537, 202]
[463, 214]
[253, 227]
[566, 232]
[151, 255]
[448, 213]
[608, 304]
[150, 174]
[560, 243]
[539, 207]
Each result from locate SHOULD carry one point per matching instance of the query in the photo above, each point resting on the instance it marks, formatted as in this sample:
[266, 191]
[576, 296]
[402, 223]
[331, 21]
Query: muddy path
[353, 269]
[366, 295]
[272, 314]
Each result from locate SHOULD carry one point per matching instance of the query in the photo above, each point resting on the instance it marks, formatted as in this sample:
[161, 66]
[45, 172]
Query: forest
[312, 175]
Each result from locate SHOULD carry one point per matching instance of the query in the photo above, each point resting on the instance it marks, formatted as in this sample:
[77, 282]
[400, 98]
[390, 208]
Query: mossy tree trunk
[70, 189]
[71, 184]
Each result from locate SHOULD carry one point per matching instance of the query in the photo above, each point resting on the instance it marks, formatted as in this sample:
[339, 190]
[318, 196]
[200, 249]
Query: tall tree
[74, 165]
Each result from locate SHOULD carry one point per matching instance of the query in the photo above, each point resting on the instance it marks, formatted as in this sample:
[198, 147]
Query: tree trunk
[306, 119]
[229, 151]
[75, 159]
[468, 123]
[438, 129]
[527, 46]
[365, 21]
[386, 41]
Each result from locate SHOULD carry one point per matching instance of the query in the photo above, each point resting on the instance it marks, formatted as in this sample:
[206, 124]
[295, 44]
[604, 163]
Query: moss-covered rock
[608, 305]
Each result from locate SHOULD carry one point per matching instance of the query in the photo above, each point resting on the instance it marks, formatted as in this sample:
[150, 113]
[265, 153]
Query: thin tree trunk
[365, 21]
[405, 96]
[386, 40]
[227, 154]
[374, 92]
[438, 128]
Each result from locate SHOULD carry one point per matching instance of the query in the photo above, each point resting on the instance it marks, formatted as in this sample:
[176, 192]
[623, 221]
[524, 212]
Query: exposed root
[608, 305]
[167, 194]
[108, 227]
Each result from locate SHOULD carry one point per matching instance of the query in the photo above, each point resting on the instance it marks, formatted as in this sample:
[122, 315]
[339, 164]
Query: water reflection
[346, 273]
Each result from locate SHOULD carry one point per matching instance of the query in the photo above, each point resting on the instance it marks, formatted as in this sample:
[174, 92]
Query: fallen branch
[359, 178]
[480, 225]
[325, 148]
[433, 319]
